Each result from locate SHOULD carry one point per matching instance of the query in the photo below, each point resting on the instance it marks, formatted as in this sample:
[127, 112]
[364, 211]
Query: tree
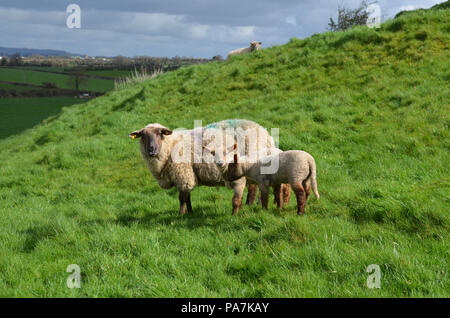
[15, 60]
[349, 17]
[76, 78]
[121, 61]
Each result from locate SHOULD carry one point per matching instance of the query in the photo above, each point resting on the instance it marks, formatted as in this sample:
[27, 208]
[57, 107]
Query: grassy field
[18, 114]
[371, 105]
[30, 76]
[14, 87]
[111, 73]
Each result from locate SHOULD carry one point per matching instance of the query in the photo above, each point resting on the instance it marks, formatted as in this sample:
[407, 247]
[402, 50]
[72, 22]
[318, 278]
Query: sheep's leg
[264, 197]
[278, 197]
[307, 187]
[237, 201]
[237, 197]
[301, 198]
[189, 204]
[286, 188]
[251, 195]
[183, 197]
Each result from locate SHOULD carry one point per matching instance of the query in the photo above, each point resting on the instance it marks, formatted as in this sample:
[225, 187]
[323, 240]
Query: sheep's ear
[135, 134]
[260, 42]
[166, 131]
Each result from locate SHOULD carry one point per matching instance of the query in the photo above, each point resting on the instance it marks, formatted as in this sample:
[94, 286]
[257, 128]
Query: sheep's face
[229, 166]
[151, 138]
[255, 46]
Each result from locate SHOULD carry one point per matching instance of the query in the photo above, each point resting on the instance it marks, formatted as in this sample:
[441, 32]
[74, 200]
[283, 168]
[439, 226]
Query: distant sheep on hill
[254, 46]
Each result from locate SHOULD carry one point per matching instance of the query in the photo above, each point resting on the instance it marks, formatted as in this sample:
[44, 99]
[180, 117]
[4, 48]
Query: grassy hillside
[371, 105]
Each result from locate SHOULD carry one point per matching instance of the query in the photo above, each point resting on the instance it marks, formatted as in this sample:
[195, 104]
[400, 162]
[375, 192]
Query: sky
[192, 28]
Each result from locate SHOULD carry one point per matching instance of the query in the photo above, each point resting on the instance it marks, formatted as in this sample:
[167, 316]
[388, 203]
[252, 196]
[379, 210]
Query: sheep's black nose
[220, 163]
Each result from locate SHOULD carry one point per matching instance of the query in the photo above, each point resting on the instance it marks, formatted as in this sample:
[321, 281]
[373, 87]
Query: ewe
[254, 46]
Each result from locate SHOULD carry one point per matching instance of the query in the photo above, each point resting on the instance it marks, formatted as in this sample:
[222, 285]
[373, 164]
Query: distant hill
[6, 51]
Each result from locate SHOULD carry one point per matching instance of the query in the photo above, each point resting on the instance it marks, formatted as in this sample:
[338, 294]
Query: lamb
[159, 146]
[254, 46]
[295, 167]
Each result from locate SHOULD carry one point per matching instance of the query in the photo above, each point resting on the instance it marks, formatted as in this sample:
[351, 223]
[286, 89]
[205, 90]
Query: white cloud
[292, 20]
[407, 8]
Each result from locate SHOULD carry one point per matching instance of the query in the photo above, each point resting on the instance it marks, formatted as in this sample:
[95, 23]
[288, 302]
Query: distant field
[26, 75]
[105, 73]
[9, 87]
[44, 68]
[18, 114]
[110, 73]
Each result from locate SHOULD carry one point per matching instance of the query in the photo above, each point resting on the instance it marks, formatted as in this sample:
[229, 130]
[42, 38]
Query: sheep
[159, 146]
[295, 167]
[254, 46]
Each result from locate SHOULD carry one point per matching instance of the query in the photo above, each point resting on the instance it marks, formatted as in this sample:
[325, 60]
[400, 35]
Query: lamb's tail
[312, 168]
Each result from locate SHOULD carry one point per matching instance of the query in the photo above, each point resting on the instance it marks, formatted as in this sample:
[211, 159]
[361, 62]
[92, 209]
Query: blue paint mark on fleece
[234, 123]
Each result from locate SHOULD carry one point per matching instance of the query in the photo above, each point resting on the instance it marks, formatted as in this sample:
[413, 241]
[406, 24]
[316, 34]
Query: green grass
[106, 73]
[44, 68]
[18, 114]
[26, 75]
[110, 73]
[19, 88]
[370, 105]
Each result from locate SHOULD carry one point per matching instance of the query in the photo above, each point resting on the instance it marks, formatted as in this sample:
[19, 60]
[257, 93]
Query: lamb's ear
[166, 131]
[260, 42]
[135, 134]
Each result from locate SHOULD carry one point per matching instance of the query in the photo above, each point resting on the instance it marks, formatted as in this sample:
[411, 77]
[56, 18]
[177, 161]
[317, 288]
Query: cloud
[291, 20]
